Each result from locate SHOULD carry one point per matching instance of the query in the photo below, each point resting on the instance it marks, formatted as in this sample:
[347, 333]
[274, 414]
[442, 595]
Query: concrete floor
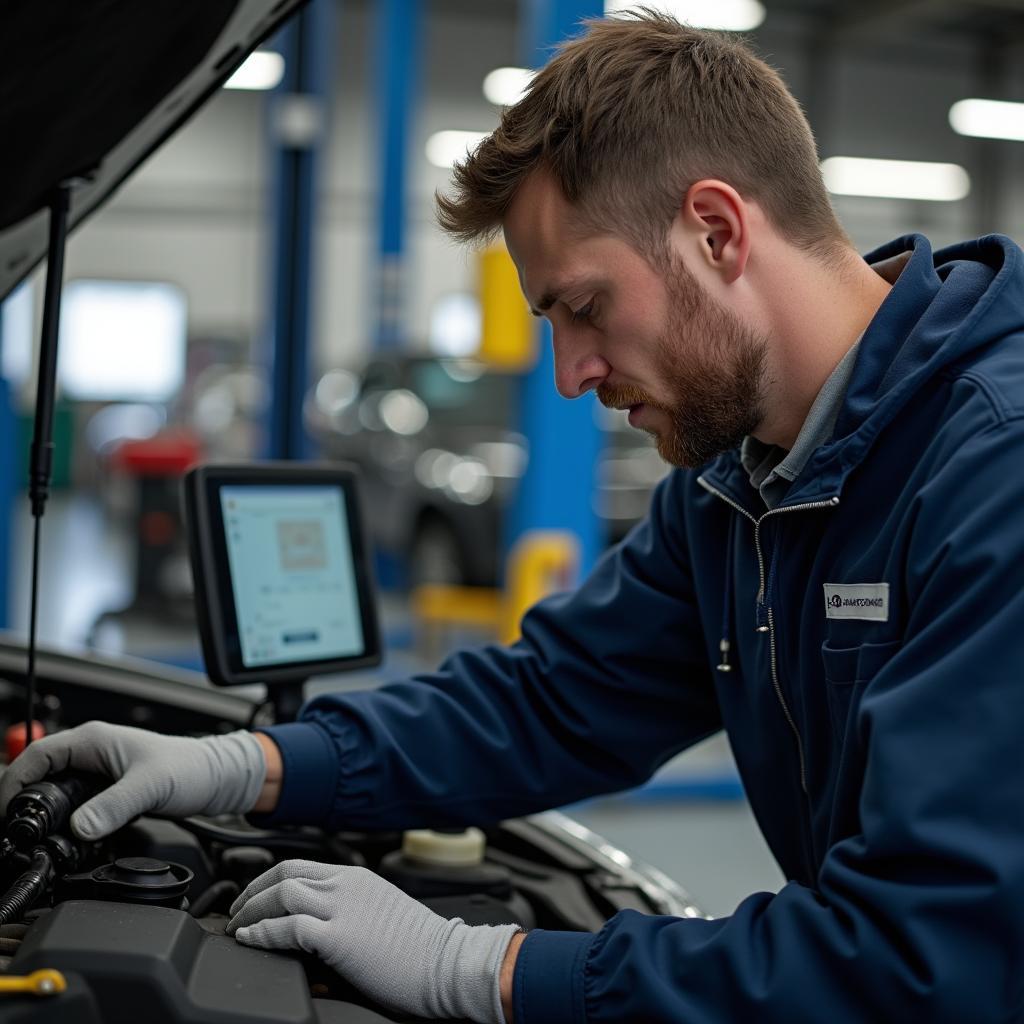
[713, 848]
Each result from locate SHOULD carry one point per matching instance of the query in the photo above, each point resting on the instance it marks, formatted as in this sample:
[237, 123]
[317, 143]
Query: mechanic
[831, 574]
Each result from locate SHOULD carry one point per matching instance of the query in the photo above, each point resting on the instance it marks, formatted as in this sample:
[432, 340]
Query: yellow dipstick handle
[38, 983]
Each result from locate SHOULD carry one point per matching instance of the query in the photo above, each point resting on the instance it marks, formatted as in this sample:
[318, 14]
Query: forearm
[508, 970]
[271, 791]
[558, 699]
[369, 758]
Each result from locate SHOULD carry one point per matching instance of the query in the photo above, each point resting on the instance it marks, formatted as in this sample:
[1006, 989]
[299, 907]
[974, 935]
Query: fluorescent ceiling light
[988, 119]
[505, 86]
[263, 70]
[895, 179]
[726, 15]
[445, 149]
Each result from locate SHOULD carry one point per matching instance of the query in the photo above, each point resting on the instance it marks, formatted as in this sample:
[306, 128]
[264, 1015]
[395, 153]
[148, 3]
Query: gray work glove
[171, 775]
[389, 946]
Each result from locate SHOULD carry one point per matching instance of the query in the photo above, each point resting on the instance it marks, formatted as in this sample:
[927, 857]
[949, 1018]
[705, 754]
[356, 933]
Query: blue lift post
[298, 115]
[8, 457]
[557, 490]
[396, 70]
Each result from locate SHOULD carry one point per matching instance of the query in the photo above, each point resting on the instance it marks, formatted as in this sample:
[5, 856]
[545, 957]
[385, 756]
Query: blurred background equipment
[162, 594]
[436, 440]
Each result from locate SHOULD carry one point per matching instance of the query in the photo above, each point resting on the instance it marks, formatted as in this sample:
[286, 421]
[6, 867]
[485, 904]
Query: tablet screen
[293, 578]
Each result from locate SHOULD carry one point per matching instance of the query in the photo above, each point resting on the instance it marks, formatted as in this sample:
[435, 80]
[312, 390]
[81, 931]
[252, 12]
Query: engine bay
[136, 922]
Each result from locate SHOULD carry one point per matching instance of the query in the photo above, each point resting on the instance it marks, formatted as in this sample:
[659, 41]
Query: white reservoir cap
[459, 849]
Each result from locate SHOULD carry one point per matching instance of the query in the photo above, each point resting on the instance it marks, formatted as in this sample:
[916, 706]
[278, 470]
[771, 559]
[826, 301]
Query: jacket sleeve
[919, 915]
[606, 684]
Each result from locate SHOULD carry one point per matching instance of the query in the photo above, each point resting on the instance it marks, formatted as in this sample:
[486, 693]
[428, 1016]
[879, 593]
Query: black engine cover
[160, 966]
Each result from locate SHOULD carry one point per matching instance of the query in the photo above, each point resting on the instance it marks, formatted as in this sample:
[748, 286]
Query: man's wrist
[271, 791]
[508, 971]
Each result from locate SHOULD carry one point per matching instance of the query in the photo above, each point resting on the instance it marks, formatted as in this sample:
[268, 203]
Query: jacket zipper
[773, 656]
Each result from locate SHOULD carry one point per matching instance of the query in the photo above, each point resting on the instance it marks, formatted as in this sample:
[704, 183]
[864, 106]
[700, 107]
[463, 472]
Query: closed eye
[583, 313]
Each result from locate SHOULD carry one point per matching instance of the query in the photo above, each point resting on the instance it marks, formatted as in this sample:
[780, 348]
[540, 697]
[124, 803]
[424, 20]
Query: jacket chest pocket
[847, 671]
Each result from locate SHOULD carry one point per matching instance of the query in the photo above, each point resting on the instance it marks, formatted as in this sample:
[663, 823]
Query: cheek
[634, 336]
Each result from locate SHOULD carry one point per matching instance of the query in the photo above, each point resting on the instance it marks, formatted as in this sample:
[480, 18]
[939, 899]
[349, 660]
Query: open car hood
[91, 89]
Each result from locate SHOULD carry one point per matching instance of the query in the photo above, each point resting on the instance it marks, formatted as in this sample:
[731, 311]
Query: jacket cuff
[547, 985]
[310, 772]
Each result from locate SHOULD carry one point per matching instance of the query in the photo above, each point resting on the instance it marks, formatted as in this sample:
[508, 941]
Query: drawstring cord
[764, 600]
[725, 644]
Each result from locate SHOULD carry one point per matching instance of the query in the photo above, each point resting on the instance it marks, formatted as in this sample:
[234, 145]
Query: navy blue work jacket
[874, 702]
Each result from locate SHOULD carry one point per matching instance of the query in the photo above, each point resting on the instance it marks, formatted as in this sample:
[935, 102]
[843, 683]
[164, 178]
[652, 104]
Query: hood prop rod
[41, 452]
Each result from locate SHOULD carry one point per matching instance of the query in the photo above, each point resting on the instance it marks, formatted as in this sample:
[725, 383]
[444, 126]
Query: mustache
[622, 396]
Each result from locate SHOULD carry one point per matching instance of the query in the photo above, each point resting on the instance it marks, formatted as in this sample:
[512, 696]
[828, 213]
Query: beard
[713, 369]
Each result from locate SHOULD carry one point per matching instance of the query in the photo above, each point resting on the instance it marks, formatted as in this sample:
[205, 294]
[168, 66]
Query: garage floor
[711, 846]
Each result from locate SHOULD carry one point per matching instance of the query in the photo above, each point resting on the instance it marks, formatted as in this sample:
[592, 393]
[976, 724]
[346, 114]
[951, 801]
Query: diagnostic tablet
[281, 568]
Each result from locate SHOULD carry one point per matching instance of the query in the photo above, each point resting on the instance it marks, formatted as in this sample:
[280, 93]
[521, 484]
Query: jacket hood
[941, 309]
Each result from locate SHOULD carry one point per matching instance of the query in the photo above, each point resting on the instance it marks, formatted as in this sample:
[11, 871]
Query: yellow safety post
[541, 562]
[38, 983]
[440, 604]
[508, 339]
[438, 607]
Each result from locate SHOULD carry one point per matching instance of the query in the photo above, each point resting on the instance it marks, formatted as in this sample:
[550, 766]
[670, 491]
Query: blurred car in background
[435, 439]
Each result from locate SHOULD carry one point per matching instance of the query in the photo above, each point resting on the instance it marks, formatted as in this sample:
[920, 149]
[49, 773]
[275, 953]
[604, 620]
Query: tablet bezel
[211, 570]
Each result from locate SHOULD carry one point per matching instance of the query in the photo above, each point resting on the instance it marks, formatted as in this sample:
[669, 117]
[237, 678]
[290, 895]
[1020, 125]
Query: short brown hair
[627, 116]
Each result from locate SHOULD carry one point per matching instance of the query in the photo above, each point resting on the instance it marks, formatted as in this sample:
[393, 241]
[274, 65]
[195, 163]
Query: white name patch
[857, 601]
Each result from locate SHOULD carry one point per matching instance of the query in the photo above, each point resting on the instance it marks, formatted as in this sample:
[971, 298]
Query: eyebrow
[546, 302]
[550, 297]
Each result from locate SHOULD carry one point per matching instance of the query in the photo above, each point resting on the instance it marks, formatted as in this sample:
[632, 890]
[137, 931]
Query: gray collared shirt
[771, 468]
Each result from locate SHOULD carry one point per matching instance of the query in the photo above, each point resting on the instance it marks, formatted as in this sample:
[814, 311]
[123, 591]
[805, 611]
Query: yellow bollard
[439, 608]
[442, 604]
[541, 562]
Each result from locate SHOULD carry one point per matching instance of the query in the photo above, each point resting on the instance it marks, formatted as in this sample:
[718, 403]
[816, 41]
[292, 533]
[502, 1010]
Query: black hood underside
[89, 88]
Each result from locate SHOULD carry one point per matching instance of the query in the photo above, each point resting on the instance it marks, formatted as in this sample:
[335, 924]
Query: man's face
[646, 338]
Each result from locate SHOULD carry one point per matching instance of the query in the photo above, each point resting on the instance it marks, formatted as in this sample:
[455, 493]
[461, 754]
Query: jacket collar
[877, 367]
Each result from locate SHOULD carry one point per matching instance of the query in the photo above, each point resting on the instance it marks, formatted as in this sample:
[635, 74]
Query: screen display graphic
[292, 576]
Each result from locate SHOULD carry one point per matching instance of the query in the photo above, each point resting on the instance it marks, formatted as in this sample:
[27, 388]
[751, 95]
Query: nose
[579, 368]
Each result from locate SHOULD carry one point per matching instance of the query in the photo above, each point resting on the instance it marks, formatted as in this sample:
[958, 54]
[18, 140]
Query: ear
[719, 218]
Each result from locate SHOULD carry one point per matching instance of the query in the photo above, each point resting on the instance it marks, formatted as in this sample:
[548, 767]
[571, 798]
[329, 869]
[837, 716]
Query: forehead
[539, 226]
[550, 242]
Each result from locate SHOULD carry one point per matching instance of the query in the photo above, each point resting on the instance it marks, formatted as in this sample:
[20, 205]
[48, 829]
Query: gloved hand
[171, 775]
[385, 943]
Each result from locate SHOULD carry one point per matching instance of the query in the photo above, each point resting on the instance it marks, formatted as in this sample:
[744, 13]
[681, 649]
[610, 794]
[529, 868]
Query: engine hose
[209, 898]
[27, 887]
[310, 841]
